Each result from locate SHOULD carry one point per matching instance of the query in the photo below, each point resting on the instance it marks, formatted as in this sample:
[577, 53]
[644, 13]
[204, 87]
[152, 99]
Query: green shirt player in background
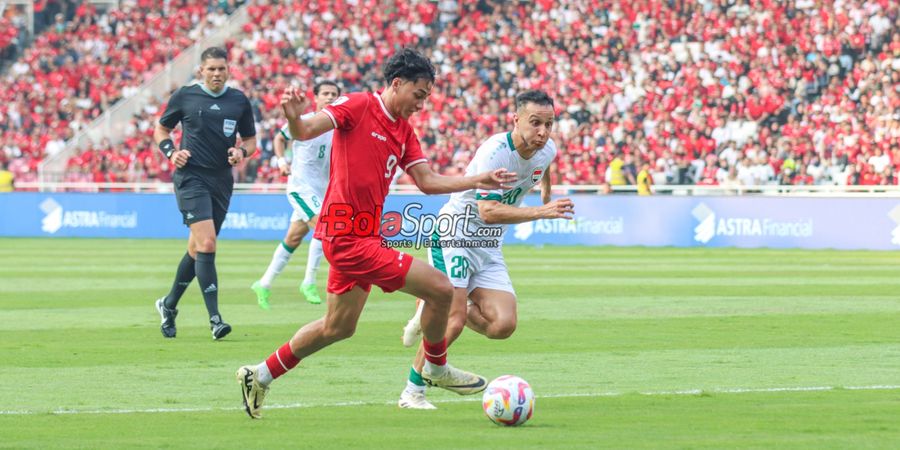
[479, 273]
[308, 180]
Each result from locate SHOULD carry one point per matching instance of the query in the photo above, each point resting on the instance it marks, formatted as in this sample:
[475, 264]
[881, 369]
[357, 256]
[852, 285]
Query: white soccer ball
[509, 401]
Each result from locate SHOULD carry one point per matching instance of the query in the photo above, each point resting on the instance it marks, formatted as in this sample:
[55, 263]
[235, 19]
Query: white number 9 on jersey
[391, 163]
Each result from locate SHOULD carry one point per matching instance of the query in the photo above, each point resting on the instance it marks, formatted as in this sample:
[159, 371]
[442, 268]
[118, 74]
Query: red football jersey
[368, 146]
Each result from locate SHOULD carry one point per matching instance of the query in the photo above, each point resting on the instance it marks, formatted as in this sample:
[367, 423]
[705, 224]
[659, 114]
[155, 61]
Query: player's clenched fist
[235, 156]
[180, 157]
[562, 208]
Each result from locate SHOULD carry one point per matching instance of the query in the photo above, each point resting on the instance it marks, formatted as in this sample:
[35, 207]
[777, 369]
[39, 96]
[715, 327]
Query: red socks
[435, 353]
[281, 361]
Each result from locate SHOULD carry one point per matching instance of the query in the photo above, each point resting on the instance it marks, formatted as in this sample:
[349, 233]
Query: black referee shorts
[203, 195]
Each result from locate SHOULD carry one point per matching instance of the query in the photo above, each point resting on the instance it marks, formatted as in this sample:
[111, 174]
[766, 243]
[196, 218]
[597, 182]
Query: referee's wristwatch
[244, 151]
[167, 147]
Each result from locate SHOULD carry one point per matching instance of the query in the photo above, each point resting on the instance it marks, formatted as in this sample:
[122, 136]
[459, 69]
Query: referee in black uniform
[211, 116]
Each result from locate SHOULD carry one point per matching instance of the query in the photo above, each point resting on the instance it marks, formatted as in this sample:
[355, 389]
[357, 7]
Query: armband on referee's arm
[167, 147]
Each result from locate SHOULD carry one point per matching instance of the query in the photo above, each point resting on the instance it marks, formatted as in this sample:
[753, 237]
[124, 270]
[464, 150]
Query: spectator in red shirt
[634, 54]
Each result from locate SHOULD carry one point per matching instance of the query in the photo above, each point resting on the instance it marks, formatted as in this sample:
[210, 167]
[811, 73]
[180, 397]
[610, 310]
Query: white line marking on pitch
[881, 387]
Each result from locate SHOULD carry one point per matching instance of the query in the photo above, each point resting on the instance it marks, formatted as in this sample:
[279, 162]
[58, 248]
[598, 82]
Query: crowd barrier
[620, 220]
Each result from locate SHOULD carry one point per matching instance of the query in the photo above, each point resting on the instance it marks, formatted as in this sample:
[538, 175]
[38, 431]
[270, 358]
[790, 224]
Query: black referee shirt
[210, 123]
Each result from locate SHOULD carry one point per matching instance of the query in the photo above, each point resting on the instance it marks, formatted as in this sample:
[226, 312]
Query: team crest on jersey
[339, 100]
[228, 127]
[537, 174]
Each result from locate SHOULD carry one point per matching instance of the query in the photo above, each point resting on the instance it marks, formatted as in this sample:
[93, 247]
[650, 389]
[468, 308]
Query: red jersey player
[372, 139]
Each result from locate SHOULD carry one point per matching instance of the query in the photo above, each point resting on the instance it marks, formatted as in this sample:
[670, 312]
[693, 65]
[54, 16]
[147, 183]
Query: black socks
[208, 280]
[183, 277]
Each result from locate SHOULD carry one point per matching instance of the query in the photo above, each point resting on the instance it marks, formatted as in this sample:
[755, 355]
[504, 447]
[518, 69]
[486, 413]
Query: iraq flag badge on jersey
[536, 175]
[228, 127]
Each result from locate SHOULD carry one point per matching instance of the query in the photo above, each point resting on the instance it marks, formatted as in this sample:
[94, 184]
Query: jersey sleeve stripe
[331, 116]
[421, 160]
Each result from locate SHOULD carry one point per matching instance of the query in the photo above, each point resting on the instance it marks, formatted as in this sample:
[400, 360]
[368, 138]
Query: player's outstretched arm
[494, 212]
[293, 103]
[432, 183]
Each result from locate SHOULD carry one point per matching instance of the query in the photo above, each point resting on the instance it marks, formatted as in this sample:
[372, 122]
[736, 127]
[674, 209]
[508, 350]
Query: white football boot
[252, 392]
[412, 332]
[455, 380]
[414, 400]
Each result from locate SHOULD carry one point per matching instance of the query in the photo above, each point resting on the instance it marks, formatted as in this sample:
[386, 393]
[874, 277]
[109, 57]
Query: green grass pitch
[624, 347]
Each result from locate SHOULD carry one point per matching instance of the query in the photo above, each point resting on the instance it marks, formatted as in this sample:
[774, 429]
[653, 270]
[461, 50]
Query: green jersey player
[471, 255]
[308, 180]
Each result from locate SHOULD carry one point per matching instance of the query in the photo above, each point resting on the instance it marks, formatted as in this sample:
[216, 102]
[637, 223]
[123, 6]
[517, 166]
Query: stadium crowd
[728, 92]
[85, 61]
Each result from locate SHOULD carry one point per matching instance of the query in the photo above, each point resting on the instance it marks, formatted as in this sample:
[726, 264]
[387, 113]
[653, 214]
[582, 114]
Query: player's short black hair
[535, 96]
[326, 83]
[214, 53]
[408, 65]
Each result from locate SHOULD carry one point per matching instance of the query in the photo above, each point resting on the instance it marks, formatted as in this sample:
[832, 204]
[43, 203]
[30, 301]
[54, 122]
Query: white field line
[882, 387]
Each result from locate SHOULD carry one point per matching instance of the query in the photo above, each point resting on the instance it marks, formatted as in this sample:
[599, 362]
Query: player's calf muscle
[338, 331]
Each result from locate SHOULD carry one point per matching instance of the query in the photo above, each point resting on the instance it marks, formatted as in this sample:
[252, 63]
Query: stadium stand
[83, 63]
[717, 93]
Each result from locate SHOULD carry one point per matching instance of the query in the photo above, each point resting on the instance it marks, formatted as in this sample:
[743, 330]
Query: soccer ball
[508, 400]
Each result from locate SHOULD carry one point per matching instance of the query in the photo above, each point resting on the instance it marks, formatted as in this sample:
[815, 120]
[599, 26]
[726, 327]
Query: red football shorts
[364, 262]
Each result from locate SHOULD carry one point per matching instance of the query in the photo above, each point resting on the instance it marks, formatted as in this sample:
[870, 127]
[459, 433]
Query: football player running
[483, 297]
[308, 172]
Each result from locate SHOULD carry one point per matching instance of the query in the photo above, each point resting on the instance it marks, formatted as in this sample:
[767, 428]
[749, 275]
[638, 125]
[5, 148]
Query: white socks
[413, 387]
[433, 369]
[313, 260]
[279, 260]
[283, 254]
[265, 377]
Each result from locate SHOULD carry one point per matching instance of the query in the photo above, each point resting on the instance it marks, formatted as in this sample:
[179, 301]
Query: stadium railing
[674, 190]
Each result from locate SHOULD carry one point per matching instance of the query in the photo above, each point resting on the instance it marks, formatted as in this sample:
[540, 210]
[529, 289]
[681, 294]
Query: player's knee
[207, 245]
[443, 291]
[501, 330]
